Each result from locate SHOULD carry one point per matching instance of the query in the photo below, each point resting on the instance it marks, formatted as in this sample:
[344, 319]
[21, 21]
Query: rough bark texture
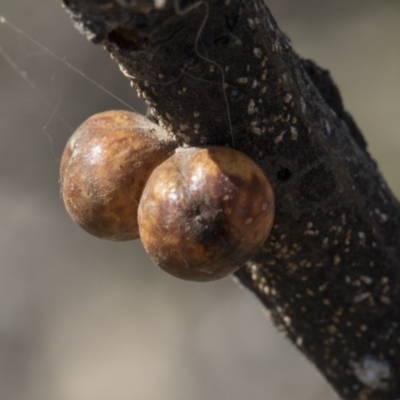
[329, 273]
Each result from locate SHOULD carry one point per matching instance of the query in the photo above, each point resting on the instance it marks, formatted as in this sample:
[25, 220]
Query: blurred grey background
[84, 319]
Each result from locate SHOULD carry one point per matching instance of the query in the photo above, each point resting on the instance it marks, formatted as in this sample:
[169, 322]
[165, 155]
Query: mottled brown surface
[204, 212]
[104, 169]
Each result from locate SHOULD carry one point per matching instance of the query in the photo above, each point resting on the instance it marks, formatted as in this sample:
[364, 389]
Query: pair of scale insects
[201, 212]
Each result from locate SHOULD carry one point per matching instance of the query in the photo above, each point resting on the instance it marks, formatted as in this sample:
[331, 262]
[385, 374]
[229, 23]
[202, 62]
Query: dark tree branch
[329, 273]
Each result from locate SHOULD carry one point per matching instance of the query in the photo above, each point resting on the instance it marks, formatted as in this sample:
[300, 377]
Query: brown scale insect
[204, 212]
[104, 168]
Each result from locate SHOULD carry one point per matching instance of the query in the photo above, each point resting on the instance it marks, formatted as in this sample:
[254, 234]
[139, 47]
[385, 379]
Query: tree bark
[222, 73]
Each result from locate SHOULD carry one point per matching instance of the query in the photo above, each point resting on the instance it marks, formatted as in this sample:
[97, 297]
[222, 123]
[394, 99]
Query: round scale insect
[104, 168]
[204, 211]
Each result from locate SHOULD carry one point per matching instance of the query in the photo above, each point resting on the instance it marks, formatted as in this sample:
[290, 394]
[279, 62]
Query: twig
[329, 274]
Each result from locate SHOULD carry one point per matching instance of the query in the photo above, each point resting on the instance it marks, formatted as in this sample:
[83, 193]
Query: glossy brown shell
[104, 169]
[204, 212]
